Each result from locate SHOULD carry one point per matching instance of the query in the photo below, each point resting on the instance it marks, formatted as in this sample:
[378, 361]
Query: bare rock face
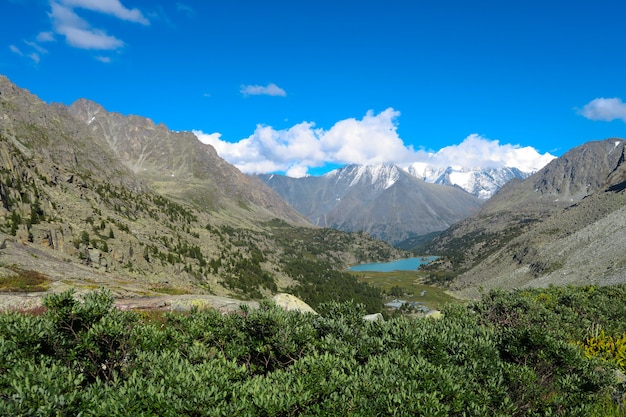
[292, 303]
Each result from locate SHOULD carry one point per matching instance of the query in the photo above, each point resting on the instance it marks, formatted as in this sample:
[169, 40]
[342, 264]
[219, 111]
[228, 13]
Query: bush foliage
[511, 354]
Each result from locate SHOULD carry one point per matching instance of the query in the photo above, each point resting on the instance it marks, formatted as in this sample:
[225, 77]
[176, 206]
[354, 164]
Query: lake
[408, 264]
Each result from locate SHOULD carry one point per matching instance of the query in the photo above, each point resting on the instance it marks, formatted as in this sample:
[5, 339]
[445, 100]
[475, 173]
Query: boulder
[290, 303]
[374, 317]
[434, 314]
[94, 257]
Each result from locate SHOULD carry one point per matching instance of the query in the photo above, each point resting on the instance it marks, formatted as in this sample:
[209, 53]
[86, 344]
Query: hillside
[563, 225]
[176, 164]
[92, 198]
[382, 200]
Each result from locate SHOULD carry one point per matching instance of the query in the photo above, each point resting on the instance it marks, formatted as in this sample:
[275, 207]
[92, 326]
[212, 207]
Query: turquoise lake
[408, 264]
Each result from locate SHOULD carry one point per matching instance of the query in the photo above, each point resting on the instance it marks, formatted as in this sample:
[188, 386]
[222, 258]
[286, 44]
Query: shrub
[508, 355]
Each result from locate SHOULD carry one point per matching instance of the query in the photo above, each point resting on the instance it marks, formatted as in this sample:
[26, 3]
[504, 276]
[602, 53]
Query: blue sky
[303, 86]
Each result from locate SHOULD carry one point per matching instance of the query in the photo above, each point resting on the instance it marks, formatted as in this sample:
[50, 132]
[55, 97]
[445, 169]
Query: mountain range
[565, 224]
[383, 200]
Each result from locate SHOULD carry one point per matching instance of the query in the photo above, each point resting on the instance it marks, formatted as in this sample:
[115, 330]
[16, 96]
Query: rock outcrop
[292, 303]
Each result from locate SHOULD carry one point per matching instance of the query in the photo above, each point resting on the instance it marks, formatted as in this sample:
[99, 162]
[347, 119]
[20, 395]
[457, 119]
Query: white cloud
[372, 140]
[183, 8]
[605, 109]
[16, 50]
[258, 90]
[34, 56]
[212, 139]
[478, 152]
[104, 59]
[36, 47]
[110, 7]
[45, 37]
[78, 32]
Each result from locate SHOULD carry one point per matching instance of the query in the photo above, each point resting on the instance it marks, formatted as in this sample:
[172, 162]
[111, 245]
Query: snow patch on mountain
[384, 175]
[380, 177]
[481, 182]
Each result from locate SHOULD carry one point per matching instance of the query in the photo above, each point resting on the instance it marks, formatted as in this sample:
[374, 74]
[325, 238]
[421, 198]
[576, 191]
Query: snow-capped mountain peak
[381, 176]
[481, 182]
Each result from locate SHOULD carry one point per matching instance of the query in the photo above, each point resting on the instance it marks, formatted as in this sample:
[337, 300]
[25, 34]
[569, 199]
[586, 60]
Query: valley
[93, 198]
[138, 273]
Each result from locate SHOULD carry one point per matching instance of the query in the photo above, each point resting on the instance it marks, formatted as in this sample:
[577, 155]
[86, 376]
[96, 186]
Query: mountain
[481, 182]
[90, 198]
[566, 224]
[382, 200]
[176, 164]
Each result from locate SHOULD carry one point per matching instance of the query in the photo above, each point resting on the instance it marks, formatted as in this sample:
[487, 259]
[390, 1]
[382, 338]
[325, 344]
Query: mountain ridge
[156, 155]
[382, 200]
[562, 225]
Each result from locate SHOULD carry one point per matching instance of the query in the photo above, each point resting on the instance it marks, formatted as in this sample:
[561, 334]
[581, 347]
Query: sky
[302, 87]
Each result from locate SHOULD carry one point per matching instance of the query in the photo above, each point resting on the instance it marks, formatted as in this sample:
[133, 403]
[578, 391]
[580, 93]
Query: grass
[23, 280]
[168, 290]
[410, 283]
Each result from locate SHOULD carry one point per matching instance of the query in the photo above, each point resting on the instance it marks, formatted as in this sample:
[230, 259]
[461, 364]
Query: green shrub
[91, 335]
[510, 354]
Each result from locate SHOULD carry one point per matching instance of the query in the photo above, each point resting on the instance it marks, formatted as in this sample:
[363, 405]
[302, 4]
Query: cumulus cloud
[371, 140]
[605, 109]
[478, 152]
[260, 90]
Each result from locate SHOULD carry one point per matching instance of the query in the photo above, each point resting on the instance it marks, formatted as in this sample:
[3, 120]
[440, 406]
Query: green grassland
[406, 285]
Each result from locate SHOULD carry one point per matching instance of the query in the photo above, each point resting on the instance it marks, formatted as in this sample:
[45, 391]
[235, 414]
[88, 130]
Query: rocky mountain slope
[382, 200]
[176, 164]
[565, 224]
[91, 198]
